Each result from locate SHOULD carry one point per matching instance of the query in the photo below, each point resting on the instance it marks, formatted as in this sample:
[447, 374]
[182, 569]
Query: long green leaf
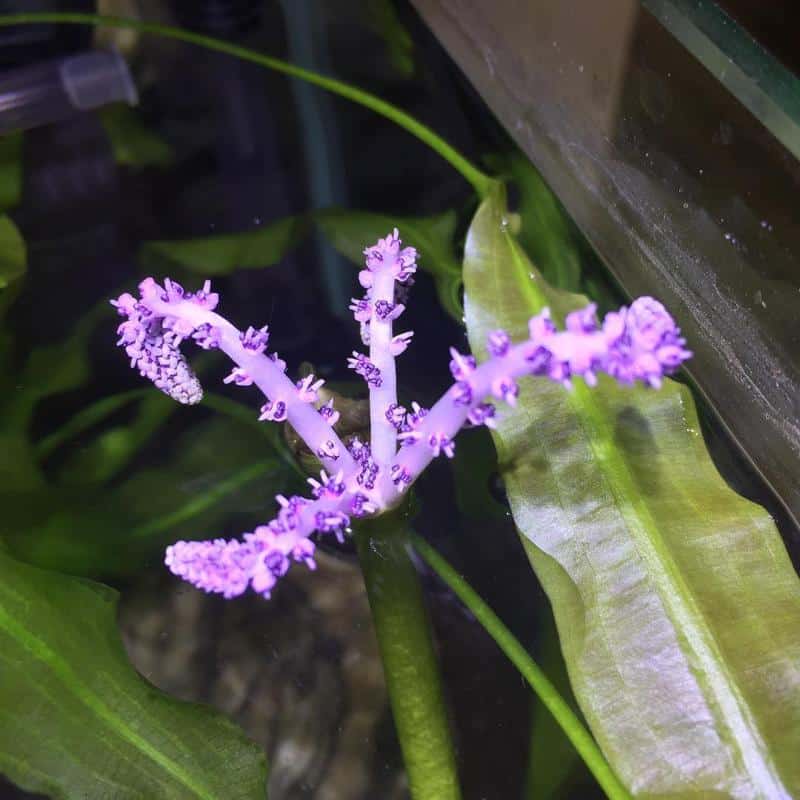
[221, 255]
[677, 606]
[349, 231]
[530, 670]
[134, 145]
[13, 257]
[10, 170]
[77, 721]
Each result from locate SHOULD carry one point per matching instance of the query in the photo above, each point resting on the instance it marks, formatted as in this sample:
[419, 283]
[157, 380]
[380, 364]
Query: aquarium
[399, 401]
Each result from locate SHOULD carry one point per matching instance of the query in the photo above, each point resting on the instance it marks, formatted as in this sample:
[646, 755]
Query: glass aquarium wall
[672, 137]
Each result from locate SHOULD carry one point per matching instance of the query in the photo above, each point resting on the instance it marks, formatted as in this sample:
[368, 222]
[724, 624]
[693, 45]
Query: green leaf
[207, 475]
[550, 238]
[133, 144]
[221, 255]
[78, 721]
[13, 256]
[350, 232]
[676, 603]
[382, 17]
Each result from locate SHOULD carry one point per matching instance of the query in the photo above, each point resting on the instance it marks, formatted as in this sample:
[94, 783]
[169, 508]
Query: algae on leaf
[676, 603]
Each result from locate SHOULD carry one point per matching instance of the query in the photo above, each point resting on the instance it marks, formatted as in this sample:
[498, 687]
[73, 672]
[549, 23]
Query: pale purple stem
[311, 427]
[383, 435]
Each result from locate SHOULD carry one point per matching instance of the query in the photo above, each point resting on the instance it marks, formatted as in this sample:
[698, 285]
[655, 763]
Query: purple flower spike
[641, 343]
[155, 351]
[387, 255]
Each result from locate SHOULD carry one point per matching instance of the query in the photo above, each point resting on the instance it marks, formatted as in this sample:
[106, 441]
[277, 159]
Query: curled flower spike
[637, 343]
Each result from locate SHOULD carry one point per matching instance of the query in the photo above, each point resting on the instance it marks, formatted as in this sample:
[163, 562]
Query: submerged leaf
[221, 255]
[133, 144]
[349, 231]
[676, 603]
[78, 721]
[10, 170]
[13, 258]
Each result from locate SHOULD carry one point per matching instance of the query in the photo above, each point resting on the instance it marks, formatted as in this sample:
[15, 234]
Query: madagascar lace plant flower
[361, 478]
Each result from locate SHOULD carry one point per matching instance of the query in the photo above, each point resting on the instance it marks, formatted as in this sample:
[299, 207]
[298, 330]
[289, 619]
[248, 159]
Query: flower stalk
[410, 664]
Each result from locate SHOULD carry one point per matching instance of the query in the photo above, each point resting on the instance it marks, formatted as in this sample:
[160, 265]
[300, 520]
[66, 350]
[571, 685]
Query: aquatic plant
[360, 479]
[674, 599]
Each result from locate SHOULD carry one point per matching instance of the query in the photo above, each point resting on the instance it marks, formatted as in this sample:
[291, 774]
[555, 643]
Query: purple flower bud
[360, 505]
[388, 311]
[277, 563]
[205, 297]
[361, 365]
[461, 393]
[304, 551]
[239, 377]
[361, 309]
[440, 443]
[206, 336]
[541, 326]
[329, 413]
[330, 487]
[396, 416]
[498, 343]
[461, 366]
[505, 388]
[386, 254]
[582, 321]
[307, 389]
[328, 449]
[255, 339]
[401, 477]
[174, 291]
[400, 342]
[482, 414]
[273, 411]
[416, 415]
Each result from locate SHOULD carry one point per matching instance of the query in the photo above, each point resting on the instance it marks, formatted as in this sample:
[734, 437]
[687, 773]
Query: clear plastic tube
[54, 90]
